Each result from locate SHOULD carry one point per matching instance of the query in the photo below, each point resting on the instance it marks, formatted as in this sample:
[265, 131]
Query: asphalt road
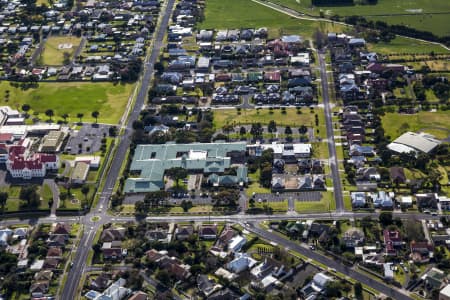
[105, 218]
[334, 165]
[347, 271]
[70, 290]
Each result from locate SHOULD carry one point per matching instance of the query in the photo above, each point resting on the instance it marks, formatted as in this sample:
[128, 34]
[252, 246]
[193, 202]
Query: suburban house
[353, 238]
[112, 234]
[184, 232]
[236, 243]
[207, 232]
[358, 199]
[241, 262]
[392, 240]
[397, 175]
[421, 251]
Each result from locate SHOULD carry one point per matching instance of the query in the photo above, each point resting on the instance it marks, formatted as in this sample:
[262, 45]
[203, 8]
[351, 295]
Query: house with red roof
[392, 240]
[6, 138]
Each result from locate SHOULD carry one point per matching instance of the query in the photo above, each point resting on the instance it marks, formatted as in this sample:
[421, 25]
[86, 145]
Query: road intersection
[98, 216]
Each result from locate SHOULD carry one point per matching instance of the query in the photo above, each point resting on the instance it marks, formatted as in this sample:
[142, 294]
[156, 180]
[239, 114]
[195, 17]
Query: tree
[80, 116]
[26, 108]
[333, 289]
[95, 115]
[112, 131]
[266, 175]
[385, 218]
[242, 131]
[154, 199]
[228, 197]
[186, 205]
[320, 38]
[256, 130]
[139, 207]
[227, 128]
[176, 174]
[303, 129]
[49, 113]
[30, 195]
[413, 230]
[66, 58]
[358, 290]
[288, 130]
[85, 191]
[65, 116]
[3, 198]
[272, 127]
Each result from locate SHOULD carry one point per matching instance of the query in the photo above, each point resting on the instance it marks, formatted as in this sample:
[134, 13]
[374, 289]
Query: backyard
[55, 47]
[71, 98]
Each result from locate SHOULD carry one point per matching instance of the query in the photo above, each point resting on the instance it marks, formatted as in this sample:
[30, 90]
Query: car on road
[312, 247]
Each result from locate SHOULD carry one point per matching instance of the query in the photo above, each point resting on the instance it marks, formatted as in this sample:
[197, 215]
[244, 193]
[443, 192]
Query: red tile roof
[5, 137]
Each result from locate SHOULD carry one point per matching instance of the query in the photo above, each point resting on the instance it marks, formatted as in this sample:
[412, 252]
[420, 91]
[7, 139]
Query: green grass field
[247, 14]
[431, 23]
[434, 123]
[417, 10]
[263, 116]
[405, 45]
[52, 55]
[71, 98]
[325, 204]
[279, 206]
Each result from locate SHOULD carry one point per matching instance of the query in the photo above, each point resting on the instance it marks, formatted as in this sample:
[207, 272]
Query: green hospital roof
[151, 161]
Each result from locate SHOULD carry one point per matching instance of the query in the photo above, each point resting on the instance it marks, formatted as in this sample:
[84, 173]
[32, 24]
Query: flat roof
[80, 171]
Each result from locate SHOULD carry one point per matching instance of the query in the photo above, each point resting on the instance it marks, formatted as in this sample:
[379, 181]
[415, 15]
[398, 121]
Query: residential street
[73, 278]
[332, 264]
[334, 165]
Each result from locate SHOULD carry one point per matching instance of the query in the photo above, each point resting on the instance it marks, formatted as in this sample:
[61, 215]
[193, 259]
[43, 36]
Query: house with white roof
[236, 243]
[240, 263]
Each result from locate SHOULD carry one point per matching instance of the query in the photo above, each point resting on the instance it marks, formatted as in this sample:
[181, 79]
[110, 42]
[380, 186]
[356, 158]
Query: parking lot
[89, 137]
[299, 196]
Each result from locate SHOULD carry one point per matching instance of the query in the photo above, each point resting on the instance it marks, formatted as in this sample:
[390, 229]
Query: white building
[236, 243]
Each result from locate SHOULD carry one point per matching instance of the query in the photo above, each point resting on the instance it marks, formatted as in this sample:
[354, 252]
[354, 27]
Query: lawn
[416, 8]
[320, 150]
[248, 14]
[434, 123]
[435, 65]
[405, 45]
[255, 187]
[327, 203]
[431, 23]
[52, 55]
[264, 116]
[277, 206]
[46, 193]
[71, 98]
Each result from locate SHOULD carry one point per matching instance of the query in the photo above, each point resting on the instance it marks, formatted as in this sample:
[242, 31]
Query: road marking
[87, 239]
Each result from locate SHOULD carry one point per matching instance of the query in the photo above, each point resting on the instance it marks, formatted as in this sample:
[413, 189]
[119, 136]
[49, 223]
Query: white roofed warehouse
[414, 142]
